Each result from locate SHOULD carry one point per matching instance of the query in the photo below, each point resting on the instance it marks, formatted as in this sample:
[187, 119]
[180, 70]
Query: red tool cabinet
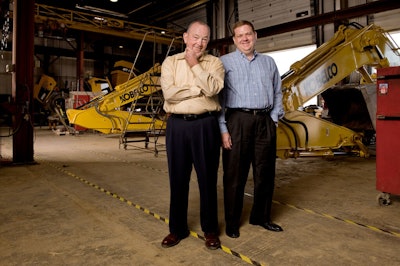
[388, 133]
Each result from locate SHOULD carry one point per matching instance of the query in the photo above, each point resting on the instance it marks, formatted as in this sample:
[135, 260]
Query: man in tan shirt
[190, 82]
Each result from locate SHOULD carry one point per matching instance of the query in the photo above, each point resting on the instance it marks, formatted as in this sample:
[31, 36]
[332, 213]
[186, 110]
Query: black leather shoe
[171, 240]
[272, 227]
[232, 232]
[212, 241]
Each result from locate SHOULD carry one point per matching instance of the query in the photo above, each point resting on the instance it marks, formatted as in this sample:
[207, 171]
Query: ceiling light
[100, 19]
[113, 1]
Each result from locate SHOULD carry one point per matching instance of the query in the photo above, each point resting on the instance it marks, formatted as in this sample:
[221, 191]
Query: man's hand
[192, 56]
[226, 141]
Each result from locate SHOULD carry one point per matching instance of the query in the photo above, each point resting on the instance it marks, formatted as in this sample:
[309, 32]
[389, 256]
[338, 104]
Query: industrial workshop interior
[83, 164]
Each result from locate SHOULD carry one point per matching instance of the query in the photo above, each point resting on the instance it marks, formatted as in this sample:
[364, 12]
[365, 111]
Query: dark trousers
[253, 143]
[193, 143]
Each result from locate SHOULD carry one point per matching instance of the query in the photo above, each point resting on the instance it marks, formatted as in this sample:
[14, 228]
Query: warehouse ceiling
[119, 36]
[154, 13]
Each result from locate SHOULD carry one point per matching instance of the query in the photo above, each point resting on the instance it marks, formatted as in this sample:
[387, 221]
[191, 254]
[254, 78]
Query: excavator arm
[110, 113]
[352, 49]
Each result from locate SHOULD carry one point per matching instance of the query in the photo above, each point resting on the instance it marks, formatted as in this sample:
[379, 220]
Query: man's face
[245, 39]
[197, 37]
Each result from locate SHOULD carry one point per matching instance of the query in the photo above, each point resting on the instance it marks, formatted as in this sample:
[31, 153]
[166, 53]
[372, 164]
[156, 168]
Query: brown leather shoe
[212, 241]
[170, 241]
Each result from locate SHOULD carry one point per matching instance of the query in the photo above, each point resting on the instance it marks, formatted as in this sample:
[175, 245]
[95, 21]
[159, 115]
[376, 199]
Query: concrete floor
[88, 202]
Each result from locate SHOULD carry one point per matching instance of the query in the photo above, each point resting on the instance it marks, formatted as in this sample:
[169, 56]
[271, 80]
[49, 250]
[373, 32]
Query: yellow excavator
[51, 101]
[49, 97]
[134, 105]
[353, 51]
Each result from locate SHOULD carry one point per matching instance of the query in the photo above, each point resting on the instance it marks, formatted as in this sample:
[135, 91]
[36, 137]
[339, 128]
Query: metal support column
[80, 68]
[22, 80]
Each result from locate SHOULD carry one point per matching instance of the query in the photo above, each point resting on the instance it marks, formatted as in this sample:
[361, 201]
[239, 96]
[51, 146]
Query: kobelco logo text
[131, 94]
[331, 71]
[313, 83]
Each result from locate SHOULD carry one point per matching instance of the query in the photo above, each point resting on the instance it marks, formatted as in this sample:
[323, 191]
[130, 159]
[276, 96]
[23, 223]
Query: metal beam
[101, 24]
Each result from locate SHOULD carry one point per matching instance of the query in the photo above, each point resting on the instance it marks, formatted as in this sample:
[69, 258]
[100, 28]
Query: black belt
[251, 111]
[191, 117]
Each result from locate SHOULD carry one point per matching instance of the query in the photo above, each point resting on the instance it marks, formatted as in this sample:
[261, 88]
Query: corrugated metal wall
[266, 13]
[388, 20]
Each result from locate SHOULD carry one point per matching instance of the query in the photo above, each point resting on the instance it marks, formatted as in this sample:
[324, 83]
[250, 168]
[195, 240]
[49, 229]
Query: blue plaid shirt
[254, 84]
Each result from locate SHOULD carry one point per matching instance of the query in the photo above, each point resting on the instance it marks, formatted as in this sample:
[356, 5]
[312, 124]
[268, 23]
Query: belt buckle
[246, 110]
[189, 117]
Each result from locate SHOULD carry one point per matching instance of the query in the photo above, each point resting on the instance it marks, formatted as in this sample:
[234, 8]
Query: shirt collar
[244, 56]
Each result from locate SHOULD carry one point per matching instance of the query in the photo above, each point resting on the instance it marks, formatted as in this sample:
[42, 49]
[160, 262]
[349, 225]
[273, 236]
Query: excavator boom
[110, 113]
[351, 50]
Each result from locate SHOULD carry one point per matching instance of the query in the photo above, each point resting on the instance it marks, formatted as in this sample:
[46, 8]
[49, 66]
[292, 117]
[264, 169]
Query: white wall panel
[388, 20]
[285, 41]
[266, 13]
[357, 2]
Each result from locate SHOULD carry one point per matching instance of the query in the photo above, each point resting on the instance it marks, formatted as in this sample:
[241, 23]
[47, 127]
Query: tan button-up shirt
[193, 90]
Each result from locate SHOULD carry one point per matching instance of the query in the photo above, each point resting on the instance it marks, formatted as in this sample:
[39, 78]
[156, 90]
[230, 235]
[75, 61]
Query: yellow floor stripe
[373, 228]
[158, 217]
